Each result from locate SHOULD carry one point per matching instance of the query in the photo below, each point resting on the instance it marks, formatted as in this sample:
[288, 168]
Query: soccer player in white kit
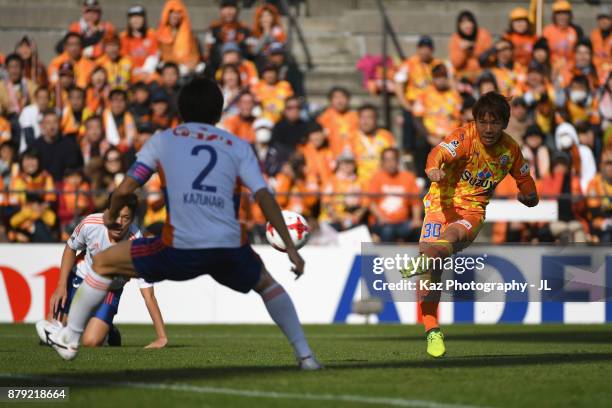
[90, 237]
[201, 168]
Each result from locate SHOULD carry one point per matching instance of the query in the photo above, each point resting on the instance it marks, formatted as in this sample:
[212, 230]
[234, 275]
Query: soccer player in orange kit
[464, 170]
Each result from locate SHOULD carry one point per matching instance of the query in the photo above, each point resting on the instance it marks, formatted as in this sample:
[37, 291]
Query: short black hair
[170, 65]
[76, 89]
[200, 100]
[131, 202]
[94, 118]
[49, 112]
[368, 106]
[494, 103]
[13, 57]
[340, 89]
[386, 150]
[117, 91]
[73, 34]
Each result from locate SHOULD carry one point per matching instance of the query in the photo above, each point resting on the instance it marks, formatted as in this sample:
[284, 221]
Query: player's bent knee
[265, 281]
[91, 341]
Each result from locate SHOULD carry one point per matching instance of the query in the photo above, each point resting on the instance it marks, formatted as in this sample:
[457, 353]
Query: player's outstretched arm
[61, 294]
[528, 194]
[120, 199]
[148, 294]
[273, 214]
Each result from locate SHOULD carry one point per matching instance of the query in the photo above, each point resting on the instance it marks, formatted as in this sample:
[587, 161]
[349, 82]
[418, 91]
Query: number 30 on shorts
[432, 229]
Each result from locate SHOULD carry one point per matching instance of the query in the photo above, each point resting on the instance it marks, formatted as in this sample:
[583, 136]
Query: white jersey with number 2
[199, 166]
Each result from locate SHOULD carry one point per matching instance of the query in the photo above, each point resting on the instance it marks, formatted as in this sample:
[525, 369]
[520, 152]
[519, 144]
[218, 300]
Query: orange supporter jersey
[339, 127]
[119, 72]
[441, 111]
[243, 128]
[319, 163]
[248, 73]
[511, 82]
[335, 199]
[393, 206]
[523, 46]
[22, 183]
[367, 151]
[415, 75]
[472, 171]
[82, 69]
[5, 130]
[465, 62]
[561, 42]
[602, 53]
[95, 50]
[272, 98]
[138, 49]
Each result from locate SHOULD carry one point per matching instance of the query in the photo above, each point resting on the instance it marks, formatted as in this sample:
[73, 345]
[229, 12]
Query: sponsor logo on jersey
[450, 147]
[482, 179]
[503, 159]
[465, 223]
[524, 168]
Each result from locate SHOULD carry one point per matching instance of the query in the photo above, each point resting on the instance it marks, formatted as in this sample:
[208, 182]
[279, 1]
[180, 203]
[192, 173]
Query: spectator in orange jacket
[602, 43]
[582, 65]
[368, 142]
[31, 178]
[98, 91]
[139, 43]
[177, 42]
[271, 93]
[599, 201]
[520, 34]
[92, 29]
[466, 45]
[510, 76]
[338, 120]
[397, 218]
[319, 158]
[75, 113]
[119, 124]
[562, 35]
[241, 124]
[93, 143]
[73, 53]
[232, 55]
[118, 68]
[74, 200]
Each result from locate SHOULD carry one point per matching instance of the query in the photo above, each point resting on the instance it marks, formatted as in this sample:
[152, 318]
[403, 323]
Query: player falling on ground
[90, 237]
[200, 166]
[464, 170]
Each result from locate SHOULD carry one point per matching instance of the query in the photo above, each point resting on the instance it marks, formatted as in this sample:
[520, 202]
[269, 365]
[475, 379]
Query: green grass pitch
[379, 365]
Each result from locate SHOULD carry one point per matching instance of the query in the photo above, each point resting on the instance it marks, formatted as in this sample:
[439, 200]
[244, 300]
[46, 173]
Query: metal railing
[294, 25]
[387, 31]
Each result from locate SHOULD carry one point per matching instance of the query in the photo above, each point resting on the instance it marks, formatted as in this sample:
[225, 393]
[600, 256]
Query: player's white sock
[87, 298]
[283, 313]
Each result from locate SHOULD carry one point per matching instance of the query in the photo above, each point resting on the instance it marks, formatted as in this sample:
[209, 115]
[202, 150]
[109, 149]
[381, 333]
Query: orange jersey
[511, 82]
[82, 69]
[415, 75]
[339, 127]
[466, 62]
[22, 183]
[248, 73]
[394, 207]
[119, 72]
[523, 46]
[367, 151]
[95, 50]
[602, 54]
[441, 111]
[472, 171]
[342, 205]
[138, 49]
[561, 42]
[5, 130]
[319, 163]
[272, 98]
[240, 127]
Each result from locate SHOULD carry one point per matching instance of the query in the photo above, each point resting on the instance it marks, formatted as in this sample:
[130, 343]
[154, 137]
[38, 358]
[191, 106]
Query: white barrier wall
[28, 274]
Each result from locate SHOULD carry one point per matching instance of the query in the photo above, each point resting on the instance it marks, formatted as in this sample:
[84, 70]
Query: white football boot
[45, 328]
[309, 363]
[64, 348]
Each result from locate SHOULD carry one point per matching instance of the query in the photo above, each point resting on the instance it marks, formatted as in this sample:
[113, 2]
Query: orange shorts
[436, 222]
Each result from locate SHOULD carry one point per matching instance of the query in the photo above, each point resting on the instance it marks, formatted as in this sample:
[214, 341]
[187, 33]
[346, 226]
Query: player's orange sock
[429, 315]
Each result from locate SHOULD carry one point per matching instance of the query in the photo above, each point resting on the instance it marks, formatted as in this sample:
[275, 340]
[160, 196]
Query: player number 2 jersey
[199, 166]
[472, 170]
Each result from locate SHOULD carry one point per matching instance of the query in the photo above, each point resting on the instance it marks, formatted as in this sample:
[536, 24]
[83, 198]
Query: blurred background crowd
[71, 127]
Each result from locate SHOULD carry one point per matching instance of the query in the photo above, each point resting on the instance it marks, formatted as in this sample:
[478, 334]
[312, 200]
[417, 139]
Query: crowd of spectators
[70, 129]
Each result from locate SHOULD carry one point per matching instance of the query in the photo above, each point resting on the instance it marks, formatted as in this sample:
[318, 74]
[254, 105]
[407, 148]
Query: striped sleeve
[78, 239]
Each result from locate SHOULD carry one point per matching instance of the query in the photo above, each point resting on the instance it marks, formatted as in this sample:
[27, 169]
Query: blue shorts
[106, 311]
[237, 268]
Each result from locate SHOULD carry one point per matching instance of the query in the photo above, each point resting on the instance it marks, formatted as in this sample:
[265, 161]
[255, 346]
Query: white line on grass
[362, 399]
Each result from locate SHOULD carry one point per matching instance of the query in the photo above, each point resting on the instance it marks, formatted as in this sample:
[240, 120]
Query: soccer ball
[298, 230]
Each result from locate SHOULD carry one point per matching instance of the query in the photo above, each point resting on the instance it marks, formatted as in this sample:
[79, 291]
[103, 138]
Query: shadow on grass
[98, 379]
[575, 336]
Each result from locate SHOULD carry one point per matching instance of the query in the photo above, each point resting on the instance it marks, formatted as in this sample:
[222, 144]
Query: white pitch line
[362, 399]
